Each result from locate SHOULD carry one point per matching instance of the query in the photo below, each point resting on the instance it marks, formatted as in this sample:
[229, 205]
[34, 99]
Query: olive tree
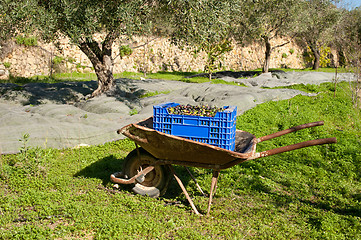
[319, 19]
[204, 25]
[263, 21]
[80, 21]
[348, 42]
[348, 35]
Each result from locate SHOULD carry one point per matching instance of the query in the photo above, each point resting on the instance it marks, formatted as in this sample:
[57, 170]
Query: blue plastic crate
[219, 130]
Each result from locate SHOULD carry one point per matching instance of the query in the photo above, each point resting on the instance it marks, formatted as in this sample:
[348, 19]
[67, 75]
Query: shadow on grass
[103, 168]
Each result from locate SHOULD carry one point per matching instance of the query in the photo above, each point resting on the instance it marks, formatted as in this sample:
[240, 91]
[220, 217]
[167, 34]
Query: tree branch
[90, 49]
[108, 42]
[142, 45]
[281, 45]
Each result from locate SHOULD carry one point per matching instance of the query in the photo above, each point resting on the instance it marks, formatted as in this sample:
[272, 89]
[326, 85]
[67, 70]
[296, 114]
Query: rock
[4, 74]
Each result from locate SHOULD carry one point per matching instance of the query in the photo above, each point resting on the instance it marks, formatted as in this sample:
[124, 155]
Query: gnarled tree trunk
[100, 56]
[267, 58]
[316, 54]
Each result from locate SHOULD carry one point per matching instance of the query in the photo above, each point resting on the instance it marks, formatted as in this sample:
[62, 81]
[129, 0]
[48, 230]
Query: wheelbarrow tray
[171, 149]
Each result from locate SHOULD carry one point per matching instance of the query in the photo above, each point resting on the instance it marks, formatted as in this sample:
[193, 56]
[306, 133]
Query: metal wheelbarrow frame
[169, 150]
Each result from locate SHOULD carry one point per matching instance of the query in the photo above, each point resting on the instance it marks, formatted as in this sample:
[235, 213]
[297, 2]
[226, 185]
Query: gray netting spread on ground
[57, 115]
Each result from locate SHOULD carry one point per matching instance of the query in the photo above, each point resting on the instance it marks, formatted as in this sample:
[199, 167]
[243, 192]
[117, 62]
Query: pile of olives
[202, 110]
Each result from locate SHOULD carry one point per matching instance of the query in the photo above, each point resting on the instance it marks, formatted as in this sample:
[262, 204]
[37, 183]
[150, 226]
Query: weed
[31, 160]
[134, 111]
[7, 64]
[26, 41]
[151, 94]
[24, 148]
[57, 60]
[125, 50]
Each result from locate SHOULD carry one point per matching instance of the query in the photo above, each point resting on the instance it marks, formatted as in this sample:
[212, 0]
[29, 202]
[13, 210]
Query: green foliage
[71, 59]
[319, 18]
[292, 51]
[349, 40]
[81, 22]
[324, 59]
[214, 51]
[327, 69]
[57, 60]
[260, 21]
[284, 55]
[7, 64]
[324, 56]
[125, 50]
[26, 41]
[210, 34]
[151, 94]
[306, 88]
[79, 65]
[134, 111]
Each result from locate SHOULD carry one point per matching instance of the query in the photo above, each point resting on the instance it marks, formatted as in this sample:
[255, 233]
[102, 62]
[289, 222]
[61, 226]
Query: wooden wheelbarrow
[149, 167]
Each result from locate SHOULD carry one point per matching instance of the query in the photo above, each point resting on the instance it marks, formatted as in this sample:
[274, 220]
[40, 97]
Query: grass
[63, 77]
[309, 88]
[321, 69]
[310, 193]
[150, 94]
[171, 76]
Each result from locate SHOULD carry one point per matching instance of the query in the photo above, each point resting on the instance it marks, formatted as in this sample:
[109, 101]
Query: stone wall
[149, 55]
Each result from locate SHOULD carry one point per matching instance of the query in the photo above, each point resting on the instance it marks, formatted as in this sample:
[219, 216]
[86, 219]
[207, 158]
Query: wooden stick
[195, 181]
[184, 191]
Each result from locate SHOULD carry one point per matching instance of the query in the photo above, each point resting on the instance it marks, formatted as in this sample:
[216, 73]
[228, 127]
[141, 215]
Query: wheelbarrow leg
[184, 190]
[213, 186]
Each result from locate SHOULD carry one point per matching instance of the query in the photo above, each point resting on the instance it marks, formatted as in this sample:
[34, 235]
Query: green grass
[61, 77]
[64, 77]
[321, 69]
[175, 76]
[310, 88]
[150, 94]
[171, 76]
[310, 193]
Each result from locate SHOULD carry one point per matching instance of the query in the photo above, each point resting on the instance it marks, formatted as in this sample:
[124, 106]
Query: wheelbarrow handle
[292, 129]
[294, 147]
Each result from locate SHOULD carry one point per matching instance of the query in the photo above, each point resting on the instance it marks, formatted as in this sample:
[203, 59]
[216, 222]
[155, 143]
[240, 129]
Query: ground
[58, 115]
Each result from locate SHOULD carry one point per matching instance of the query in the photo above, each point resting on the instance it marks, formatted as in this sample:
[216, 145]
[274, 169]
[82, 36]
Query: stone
[160, 51]
[4, 74]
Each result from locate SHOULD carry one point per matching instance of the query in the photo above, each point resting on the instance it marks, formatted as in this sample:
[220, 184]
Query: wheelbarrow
[149, 167]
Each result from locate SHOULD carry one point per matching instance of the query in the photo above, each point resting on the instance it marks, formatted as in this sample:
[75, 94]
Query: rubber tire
[156, 182]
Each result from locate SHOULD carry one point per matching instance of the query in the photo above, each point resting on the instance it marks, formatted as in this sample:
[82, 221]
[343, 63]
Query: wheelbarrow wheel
[156, 182]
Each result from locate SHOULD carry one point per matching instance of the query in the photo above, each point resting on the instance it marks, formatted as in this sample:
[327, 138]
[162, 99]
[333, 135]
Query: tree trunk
[104, 71]
[101, 58]
[317, 55]
[267, 59]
